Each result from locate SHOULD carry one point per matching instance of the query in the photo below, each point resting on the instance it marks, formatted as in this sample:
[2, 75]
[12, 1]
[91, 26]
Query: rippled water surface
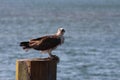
[92, 47]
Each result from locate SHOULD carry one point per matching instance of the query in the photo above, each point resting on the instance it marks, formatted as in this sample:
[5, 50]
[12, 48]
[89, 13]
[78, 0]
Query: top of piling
[54, 58]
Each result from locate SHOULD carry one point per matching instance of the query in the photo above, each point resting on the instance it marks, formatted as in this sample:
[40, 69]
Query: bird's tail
[25, 45]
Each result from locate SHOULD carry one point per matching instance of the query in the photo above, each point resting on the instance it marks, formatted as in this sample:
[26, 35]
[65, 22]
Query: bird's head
[60, 32]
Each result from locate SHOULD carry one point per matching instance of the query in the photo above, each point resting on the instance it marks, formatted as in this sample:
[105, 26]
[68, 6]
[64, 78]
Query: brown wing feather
[38, 38]
[45, 43]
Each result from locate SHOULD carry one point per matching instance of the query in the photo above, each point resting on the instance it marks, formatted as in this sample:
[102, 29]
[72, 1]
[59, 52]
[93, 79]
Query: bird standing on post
[45, 43]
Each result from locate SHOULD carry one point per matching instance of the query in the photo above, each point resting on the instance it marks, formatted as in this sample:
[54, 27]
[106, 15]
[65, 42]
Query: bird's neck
[59, 34]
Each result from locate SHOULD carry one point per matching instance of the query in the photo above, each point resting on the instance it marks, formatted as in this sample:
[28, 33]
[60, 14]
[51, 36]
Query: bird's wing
[38, 38]
[45, 43]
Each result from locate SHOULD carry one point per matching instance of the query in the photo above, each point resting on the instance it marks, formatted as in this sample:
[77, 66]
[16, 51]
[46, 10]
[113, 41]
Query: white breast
[62, 39]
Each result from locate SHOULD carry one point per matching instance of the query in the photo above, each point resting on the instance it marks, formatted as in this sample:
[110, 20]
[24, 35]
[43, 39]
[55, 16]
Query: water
[92, 45]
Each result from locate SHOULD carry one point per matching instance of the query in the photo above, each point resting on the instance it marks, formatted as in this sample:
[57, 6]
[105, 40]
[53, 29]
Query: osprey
[45, 43]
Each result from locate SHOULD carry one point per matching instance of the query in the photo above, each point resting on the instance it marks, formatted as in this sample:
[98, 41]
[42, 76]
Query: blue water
[92, 40]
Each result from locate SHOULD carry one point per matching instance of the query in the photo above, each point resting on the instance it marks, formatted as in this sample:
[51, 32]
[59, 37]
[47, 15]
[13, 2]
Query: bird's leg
[50, 54]
[54, 57]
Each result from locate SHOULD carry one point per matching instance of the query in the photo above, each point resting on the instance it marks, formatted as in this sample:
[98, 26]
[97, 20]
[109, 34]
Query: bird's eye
[63, 30]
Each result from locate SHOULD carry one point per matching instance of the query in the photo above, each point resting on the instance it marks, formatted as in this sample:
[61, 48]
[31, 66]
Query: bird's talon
[54, 57]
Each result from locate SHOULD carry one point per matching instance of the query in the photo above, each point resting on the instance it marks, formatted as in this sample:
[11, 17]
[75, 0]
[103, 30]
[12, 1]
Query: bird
[45, 44]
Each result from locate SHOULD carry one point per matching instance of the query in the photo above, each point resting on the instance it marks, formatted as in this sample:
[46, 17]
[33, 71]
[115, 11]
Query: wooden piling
[36, 69]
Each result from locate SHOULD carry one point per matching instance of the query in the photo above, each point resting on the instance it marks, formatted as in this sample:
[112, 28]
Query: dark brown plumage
[45, 43]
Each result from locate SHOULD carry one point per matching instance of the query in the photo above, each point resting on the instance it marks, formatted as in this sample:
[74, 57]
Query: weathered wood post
[36, 69]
